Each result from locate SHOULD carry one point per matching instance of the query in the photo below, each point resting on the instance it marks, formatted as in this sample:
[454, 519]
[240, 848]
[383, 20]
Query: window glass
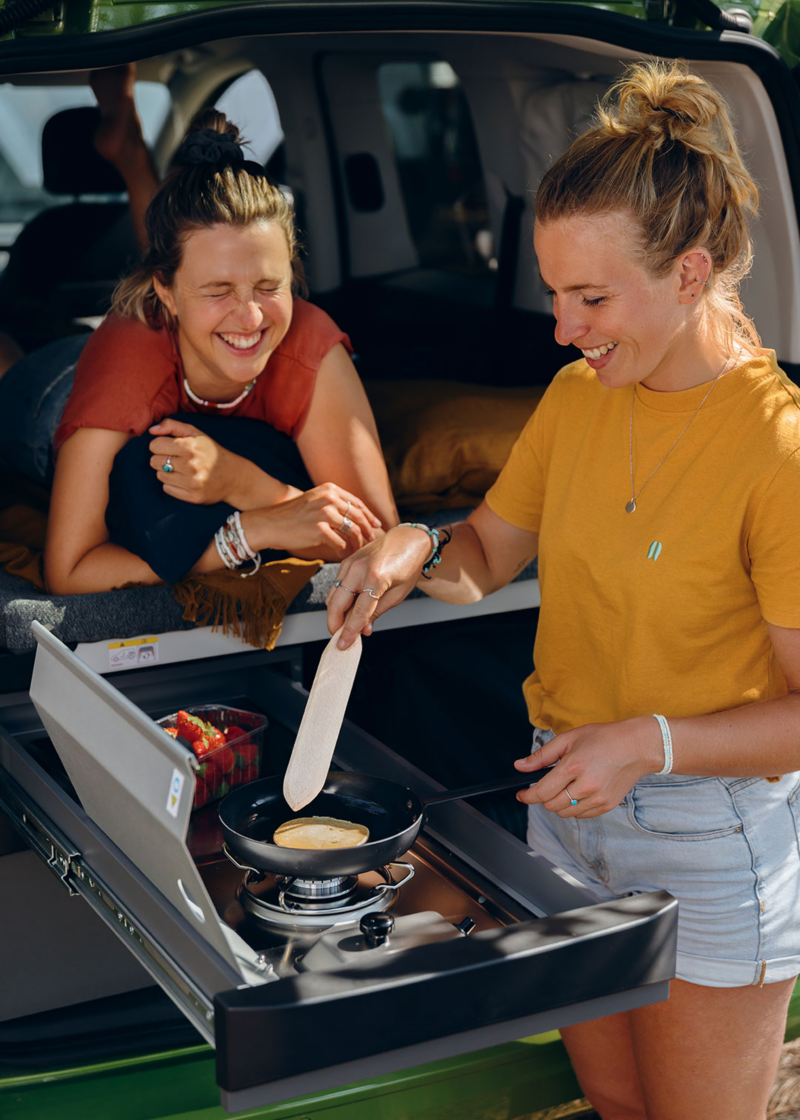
[250, 104]
[24, 111]
[438, 165]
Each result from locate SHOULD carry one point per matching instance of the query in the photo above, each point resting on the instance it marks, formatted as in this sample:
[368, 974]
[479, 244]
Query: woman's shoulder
[311, 335]
[116, 330]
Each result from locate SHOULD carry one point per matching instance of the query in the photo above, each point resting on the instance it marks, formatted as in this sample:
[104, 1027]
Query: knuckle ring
[346, 525]
[369, 591]
[347, 509]
[168, 467]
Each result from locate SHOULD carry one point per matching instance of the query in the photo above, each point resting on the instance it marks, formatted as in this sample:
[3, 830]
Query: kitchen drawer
[113, 825]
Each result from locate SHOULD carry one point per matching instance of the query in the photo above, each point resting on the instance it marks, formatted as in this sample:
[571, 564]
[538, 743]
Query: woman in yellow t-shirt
[659, 484]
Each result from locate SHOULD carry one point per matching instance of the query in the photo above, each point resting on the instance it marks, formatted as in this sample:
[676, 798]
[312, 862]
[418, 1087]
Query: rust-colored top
[130, 377]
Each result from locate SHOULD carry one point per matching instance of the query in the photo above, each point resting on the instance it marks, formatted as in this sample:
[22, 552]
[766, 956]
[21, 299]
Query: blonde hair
[210, 183]
[663, 148]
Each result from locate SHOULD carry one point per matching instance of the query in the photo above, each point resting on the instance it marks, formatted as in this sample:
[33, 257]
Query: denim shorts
[728, 849]
[33, 393]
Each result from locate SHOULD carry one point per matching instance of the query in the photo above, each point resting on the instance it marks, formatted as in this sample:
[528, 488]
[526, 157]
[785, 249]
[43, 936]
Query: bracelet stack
[233, 548]
[437, 544]
[666, 739]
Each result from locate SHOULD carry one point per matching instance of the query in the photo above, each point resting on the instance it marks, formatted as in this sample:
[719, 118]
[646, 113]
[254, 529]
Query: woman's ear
[165, 296]
[693, 273]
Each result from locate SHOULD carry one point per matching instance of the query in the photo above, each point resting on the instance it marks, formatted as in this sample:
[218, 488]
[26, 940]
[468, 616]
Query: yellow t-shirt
[662, 609]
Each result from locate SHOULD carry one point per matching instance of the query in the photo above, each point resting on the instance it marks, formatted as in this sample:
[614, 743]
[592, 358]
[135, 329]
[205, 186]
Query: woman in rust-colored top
[215, 414]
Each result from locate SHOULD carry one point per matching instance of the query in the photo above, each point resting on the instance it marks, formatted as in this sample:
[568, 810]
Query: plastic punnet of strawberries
[228, 757]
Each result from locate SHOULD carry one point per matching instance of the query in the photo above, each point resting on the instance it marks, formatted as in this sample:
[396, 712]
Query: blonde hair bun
[663, 149]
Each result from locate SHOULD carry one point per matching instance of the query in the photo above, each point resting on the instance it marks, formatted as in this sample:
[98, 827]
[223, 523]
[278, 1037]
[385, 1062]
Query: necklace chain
[215, 404]
[630, 507]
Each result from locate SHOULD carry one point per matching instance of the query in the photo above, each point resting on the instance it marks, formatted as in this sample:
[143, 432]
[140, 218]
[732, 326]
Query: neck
[694, 363]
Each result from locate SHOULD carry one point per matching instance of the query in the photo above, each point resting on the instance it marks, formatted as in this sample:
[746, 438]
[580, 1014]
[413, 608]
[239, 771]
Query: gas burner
[318, 894]
[307, 905]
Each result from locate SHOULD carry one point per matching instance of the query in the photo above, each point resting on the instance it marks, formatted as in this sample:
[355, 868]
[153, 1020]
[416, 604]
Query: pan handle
[235, 862]
[497, 785]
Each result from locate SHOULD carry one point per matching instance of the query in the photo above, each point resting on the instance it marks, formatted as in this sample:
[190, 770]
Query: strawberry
[214, 736]
[225, 759]
[210, 774]
[247, 752]
[224, 789]
[202, 794]
[190, 728]
[173, 731]
[234, 733]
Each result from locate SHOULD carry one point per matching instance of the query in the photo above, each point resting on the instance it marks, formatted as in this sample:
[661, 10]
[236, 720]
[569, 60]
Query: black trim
[86, 50]
[316, 1020]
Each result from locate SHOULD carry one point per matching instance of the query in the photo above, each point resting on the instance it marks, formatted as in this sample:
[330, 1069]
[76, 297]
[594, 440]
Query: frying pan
[394, 815]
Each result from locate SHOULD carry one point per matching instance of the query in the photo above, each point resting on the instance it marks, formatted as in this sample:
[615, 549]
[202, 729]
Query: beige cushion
[445, 442]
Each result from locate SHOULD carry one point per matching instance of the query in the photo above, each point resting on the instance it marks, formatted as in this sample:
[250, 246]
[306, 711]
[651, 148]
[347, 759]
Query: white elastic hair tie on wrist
[666, 739]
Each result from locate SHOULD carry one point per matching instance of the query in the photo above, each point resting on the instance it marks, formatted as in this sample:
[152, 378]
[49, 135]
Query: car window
[249, 102]
[24, 110]
[438, 165]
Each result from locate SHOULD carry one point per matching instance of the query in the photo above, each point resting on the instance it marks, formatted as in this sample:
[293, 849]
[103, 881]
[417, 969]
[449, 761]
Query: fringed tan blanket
[250, 608]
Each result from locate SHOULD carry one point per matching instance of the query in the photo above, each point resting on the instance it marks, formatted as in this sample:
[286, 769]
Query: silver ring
[168, 467]
[369, 591]
[573, 801]
[338, 583]
[346, 525]
[347, 510]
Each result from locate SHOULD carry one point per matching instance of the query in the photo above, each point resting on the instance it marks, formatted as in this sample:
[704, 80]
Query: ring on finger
[369, 591]
[168, 467]
[572, 800]
[346, 525]
[347, 509]
[338, 583]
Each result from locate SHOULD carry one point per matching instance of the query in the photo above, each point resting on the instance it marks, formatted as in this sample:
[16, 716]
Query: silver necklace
[630, 507]
[215, 404]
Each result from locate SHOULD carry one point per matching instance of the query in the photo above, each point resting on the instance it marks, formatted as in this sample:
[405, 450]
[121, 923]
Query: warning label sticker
[131, 652]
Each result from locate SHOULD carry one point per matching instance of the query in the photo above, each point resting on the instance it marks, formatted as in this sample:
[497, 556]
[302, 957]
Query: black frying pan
[394, 815]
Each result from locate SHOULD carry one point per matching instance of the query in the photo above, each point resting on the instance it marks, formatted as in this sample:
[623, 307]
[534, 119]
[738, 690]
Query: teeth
[599, 351]
[241, 342]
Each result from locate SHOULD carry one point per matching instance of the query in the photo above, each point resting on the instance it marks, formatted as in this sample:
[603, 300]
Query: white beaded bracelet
[666, 739]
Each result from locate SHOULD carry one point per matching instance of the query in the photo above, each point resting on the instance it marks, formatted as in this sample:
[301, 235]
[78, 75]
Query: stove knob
[376, 928]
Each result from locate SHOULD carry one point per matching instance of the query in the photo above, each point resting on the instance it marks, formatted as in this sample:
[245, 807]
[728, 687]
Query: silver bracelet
[223, 548]
[239, 540]
[433, 534]
[666, 739]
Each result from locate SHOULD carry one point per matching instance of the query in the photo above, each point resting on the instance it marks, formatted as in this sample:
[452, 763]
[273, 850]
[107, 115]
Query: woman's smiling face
[232, 299]
[630, 326]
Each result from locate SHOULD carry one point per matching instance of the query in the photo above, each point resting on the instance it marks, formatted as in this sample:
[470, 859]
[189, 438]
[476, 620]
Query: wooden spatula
[322, 720]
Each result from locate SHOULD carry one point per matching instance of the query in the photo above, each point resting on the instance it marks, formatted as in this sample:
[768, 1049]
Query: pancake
[320, 833]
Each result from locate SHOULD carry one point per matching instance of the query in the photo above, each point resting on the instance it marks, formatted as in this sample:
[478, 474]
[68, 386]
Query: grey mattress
[145, 610]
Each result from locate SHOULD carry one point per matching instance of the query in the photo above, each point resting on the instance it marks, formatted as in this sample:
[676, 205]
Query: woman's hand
[390, 568]
[202, 472]
[326, 517]
[595, 765]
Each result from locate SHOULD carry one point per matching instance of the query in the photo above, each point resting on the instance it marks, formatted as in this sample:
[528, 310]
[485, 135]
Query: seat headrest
[70, 162]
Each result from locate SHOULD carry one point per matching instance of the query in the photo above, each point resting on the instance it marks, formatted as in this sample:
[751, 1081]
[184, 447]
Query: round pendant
[630, 506]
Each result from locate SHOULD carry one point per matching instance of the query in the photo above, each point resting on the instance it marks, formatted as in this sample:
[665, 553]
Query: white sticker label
[132, 652]
[174, 795]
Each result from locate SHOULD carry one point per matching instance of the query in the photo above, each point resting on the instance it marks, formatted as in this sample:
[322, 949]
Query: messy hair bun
[663, 148]
[210, 183]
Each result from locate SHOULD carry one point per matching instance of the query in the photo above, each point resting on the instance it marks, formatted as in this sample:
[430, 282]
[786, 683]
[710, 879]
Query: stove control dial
[376, 928]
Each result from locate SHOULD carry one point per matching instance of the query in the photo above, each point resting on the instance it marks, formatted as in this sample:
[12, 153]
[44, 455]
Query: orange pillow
[445, 442]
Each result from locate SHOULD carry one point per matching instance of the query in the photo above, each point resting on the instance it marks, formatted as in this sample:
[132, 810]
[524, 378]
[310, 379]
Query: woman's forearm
[463, 575]
[756, 740]
[254, 489]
